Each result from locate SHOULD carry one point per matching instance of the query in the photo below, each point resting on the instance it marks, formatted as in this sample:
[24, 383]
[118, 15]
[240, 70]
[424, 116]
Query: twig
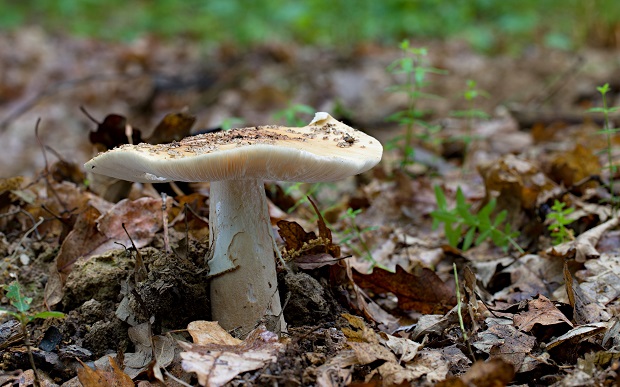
[32, 229]
[31, 101]
[47, 171]
[140, 270]
[458, 311]
[164, 211]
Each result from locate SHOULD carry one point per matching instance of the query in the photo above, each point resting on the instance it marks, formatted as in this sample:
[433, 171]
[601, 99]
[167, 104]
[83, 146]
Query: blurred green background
[489, 25]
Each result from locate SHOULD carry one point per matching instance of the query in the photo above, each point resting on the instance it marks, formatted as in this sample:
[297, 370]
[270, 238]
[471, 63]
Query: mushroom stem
[242, 256]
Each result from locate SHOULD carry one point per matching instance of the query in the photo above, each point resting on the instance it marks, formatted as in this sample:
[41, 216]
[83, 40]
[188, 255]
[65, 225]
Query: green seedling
[609, 132]
[295, 114]
[21, 304]
[354, 232]
[413, 66]
[231, 122]
[477, 227]
[470, 95]
[559, 232]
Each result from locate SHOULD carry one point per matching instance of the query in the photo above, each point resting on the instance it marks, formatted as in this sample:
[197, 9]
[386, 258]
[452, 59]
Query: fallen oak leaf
[421, 290]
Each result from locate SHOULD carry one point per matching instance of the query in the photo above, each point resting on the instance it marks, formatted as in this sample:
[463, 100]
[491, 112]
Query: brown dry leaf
[173, 127]
[95, 233]
[585, 309]
[217, 364]
[531, 275]
[300, 243]
[492, 373]
[367, 348]
[569, 167]
[543, 312]
[515, 183]
[112, 132]
[294, 235]
[194, 218]
[325, 233]
[503, 340]
[584, 246]
[163, 347]
[337, 371]
[314, 261]
[341, 279]
[429, 366]
[421, 290]
[595, 296]
[405, 348]
[80, 241]
[370, 347]
[104, 378]
[577, 335]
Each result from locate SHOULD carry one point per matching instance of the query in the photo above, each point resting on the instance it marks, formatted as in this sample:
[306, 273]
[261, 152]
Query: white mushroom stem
[242, 255]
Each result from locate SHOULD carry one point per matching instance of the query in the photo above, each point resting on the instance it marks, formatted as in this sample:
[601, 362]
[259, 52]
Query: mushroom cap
[324, 150]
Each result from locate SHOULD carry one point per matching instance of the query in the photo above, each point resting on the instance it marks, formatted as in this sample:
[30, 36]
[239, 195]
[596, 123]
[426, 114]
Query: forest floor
[532, 232]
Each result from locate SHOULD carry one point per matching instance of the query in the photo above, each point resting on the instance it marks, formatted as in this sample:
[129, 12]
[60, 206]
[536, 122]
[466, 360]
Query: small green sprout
[231, 122]
[461, 220]
[413, 66]
[470, 95]
[559, 232]
[608, 131]
[354, 232]
[294, 113]
[22, 304]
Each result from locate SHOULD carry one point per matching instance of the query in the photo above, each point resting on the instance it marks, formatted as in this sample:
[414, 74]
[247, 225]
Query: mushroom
[243, 252]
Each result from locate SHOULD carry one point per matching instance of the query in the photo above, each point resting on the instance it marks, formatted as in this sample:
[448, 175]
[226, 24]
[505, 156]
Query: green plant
[414, 67]
[559, 232]
[461, 220]
[231, 122]
[22, 306]
[294, 114]
[354, 232]
[609, 132]
[470, 95]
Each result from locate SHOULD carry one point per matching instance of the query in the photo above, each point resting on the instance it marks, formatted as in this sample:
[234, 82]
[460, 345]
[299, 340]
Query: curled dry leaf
[542, 312]
[113, 132]
[584, 246]
[306, 246]
[421, 290]
[173, 127]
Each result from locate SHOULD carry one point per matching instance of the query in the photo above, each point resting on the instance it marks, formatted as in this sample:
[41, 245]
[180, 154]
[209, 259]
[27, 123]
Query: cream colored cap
[324, 150]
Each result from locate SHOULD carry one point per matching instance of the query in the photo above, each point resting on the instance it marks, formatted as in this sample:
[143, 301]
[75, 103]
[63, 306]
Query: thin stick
[458, 311]
[140, 271]
[31, 230]
[164, 211]
[47, 171]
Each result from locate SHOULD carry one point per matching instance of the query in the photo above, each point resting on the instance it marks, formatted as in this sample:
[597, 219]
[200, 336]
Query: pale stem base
[242, 255]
